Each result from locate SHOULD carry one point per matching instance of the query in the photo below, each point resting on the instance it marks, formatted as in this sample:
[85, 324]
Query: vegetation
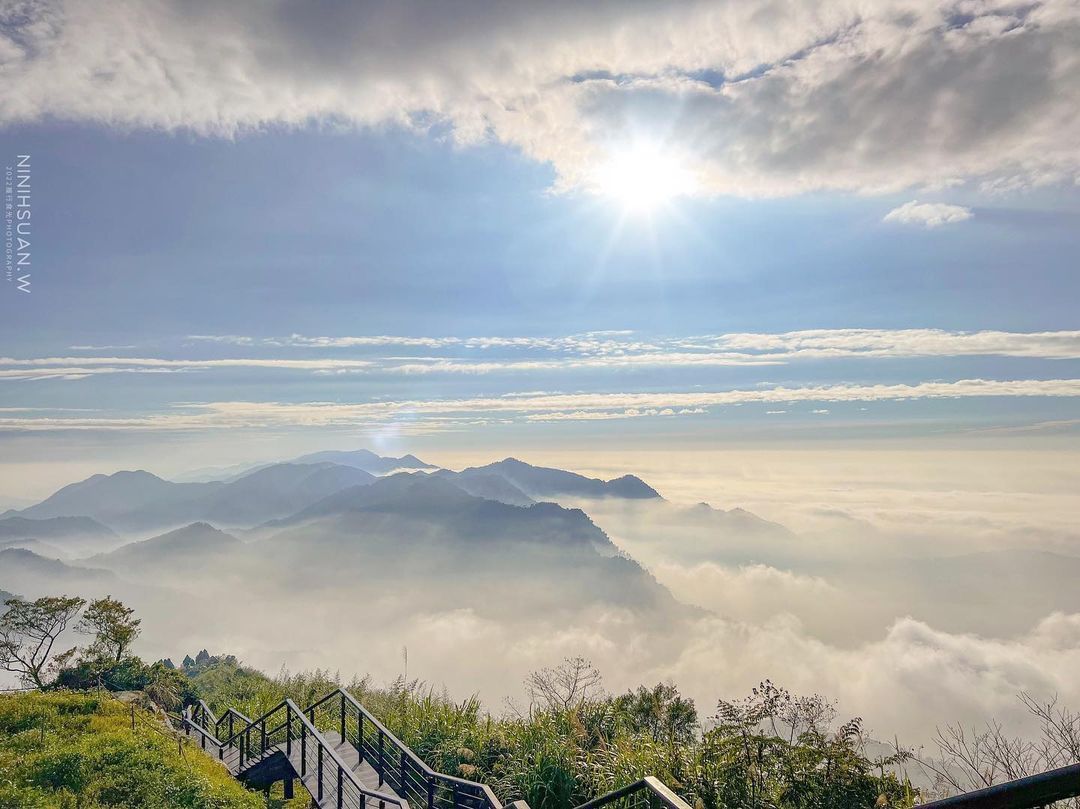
[28, 632]
[574, 742]
[113, 626]
[770, 750]
[86, 750]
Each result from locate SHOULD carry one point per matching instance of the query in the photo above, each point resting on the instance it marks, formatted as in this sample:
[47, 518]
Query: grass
[78, 750]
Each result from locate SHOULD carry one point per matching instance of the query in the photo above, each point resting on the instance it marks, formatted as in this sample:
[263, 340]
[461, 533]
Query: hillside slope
[79, 749]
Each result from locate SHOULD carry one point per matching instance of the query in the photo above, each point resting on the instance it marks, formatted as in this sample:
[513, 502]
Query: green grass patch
[78, 750]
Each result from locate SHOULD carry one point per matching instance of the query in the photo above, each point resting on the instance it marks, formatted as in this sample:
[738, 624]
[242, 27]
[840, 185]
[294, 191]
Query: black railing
[286, 729]
[648, 793]
[1033, 792]
[201, 715]
[226, 727]
[396, 765]
[207, 739]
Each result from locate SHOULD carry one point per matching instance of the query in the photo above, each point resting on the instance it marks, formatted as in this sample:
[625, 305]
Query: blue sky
[202, 240]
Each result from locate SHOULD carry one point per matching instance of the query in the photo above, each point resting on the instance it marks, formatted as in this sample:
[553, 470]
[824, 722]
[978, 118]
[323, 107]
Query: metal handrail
[404, 750]
[654, 786]
[1023, 793]
[205, 735]
[228, 718]
[242, 739]
[202, 716]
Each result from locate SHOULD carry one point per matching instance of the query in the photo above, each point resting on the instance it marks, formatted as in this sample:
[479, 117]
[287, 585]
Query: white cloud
[597, 351]
[928, 214]
[758, 100]
[538, 407]
[82, 367]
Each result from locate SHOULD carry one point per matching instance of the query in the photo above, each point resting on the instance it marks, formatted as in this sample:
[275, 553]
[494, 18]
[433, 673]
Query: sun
[643, 177]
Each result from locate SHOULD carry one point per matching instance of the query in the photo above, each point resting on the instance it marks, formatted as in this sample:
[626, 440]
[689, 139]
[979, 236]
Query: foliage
[113, 625]
[28, 631]
[770, 751]
[168, 688]
[64, 749]
[660, 712]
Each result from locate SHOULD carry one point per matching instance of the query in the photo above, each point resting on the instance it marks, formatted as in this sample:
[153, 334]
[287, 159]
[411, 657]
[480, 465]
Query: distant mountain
[38, 547]
[142, 501]
[493, 556]
[18, 565]
[487, 485]
[124, 499]
[59, 536]
[366, 460]
[192, 546]
[543, 482]
[276, 491]
[52, 528]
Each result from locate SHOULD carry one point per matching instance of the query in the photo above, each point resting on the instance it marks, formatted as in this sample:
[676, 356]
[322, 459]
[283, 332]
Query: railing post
[431, 792]
[382, 756]
[453, 786]
[342, 718]
[339, 792]
[288, 733]
[262, 737]
[319, 749]
[360, 733]
[303, 749]
[403, 773]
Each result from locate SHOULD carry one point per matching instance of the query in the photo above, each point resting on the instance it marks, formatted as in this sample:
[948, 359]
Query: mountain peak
[542, 481]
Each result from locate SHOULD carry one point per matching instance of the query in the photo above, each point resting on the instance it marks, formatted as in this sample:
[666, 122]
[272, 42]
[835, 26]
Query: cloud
[82, 367]
[755, 101]
[928, 214]
[930, 677]
[619, 350]
[542, 406]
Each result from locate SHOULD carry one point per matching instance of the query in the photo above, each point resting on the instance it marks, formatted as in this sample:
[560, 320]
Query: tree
[28, 631]
[661, 711]
[113, 626]
[566, 686]
[982, 757]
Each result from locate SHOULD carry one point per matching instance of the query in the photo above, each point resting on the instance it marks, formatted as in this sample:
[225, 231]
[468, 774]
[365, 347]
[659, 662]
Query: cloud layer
[835, 94]
[388, 354]
[532, 406]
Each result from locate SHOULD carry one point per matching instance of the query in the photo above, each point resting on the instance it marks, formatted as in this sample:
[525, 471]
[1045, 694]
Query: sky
[816, 260]
[504, 228]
